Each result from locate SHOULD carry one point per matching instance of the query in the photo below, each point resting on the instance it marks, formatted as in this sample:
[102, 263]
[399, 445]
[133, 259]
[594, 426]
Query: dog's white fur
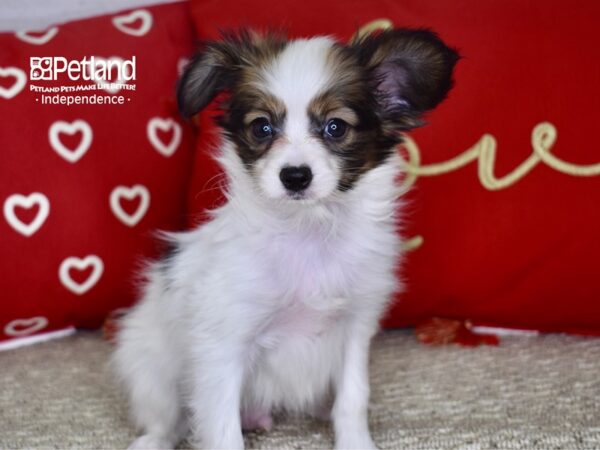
[297, 76]
[272, 304]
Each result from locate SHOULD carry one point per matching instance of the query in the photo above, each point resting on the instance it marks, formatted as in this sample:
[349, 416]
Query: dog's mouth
[302, 195]
[301, 199]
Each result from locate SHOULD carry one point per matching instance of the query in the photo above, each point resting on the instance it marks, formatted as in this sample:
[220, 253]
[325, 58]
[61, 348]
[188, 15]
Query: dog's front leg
[350, 415]
[215, 397]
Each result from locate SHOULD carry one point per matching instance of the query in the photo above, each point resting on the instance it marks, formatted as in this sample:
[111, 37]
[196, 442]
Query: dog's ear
[219, 65]
[211, 71]
[410, 71]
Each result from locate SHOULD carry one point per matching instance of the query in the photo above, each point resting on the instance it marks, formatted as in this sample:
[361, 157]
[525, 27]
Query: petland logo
[94, 73]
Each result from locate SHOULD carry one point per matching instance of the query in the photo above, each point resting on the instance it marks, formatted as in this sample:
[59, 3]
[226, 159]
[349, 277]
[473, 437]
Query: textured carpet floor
[529, 393]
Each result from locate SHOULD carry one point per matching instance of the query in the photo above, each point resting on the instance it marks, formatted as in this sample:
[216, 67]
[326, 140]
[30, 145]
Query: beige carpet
[529, 393]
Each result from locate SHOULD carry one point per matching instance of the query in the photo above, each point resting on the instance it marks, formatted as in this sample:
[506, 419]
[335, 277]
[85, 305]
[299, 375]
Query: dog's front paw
[150, 442]
[355, 442]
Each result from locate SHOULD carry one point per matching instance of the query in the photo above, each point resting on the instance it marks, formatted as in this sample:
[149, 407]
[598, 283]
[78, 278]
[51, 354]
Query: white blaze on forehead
[300, 72]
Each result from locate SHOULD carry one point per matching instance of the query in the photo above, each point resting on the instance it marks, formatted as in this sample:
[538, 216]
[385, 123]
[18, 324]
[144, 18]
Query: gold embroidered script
[483, 151]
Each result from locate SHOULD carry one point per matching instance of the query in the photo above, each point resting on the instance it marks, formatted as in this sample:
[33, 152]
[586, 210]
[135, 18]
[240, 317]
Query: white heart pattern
[111, 90]
[71, 155]
[72, 262]
[124, 22]
[157, 123]
[41, 39]
[20, 80]
[130, 193]
[24, 327]
[36, 198]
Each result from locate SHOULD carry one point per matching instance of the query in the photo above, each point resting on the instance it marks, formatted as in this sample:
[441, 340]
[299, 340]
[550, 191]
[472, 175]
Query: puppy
[271, 305]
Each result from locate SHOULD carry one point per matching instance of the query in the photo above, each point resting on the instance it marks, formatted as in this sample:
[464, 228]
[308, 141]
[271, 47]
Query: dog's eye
[261, 128]
[336, 128]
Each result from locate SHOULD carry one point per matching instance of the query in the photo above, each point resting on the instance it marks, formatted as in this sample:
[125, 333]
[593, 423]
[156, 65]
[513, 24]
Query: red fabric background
[80, 221]
[525, 256]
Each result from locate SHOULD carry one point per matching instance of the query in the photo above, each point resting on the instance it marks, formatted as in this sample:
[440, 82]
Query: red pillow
[83, 186]
[504, 217]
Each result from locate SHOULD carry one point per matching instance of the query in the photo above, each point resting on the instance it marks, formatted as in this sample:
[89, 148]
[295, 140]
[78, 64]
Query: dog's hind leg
[149, 370]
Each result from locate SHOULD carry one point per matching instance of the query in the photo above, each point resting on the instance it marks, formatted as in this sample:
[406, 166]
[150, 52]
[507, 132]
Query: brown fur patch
[388, 80]
[247, 103]
[350, 98]
[234, 61]
[247, 54]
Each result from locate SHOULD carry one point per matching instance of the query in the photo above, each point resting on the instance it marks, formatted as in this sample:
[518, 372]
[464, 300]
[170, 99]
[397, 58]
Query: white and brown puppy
[272, 304]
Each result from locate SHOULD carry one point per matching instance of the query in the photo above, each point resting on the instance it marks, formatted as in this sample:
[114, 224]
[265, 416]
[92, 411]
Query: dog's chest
[307, 280]
[308, 264]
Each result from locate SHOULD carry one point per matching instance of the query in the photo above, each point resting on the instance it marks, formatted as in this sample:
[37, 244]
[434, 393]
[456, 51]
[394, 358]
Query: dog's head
[308, 117]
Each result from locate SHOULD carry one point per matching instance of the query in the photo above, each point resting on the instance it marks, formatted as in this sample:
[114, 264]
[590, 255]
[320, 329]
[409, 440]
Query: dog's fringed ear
[410, 70]
[218, 66]
[210, 72]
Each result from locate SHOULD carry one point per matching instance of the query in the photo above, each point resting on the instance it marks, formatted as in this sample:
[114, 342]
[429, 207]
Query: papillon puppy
[271, 305]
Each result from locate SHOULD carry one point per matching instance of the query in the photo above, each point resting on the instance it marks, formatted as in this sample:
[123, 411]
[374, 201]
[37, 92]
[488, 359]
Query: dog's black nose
[296, 178]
